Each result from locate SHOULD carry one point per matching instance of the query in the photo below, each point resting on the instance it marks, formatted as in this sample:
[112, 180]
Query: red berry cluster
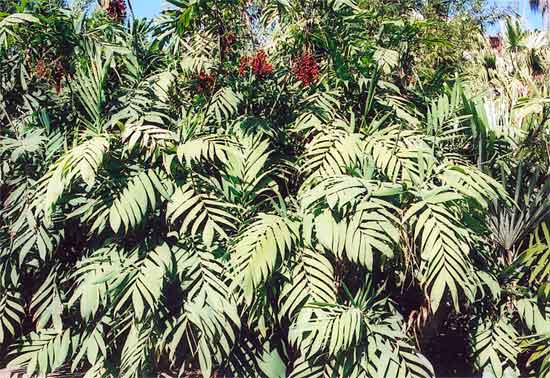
[257, 63]
[205, 82]
[117, 10]
[305, 68]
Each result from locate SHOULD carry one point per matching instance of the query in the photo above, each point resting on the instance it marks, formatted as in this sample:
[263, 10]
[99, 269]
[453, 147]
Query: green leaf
[272, 365]
[260, 248]
[200, 214]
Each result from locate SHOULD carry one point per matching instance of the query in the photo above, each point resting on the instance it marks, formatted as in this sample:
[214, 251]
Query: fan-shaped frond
[258, 188]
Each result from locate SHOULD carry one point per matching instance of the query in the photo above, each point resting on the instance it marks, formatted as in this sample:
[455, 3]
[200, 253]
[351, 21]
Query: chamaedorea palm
[198, 203]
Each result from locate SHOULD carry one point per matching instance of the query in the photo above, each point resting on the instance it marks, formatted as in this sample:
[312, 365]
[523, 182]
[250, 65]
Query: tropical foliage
[273, 188]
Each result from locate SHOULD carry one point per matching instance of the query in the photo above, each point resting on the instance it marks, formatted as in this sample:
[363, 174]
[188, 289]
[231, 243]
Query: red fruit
[257, 63]
[117, 10]
[305, 68]
[205, 82]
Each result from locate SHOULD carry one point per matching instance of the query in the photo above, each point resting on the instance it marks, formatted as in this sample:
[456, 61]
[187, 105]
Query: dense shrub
[325, 188]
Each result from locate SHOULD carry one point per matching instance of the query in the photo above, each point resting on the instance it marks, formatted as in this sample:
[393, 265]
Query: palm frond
[495, 347]
[260, 248]
[43, 351]
[200, 213]
[11, 315]
[446, 265]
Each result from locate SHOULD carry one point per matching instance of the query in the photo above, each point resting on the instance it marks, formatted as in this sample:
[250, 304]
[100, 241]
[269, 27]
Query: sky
[532, 20]
[150, 8]
[146, 8]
